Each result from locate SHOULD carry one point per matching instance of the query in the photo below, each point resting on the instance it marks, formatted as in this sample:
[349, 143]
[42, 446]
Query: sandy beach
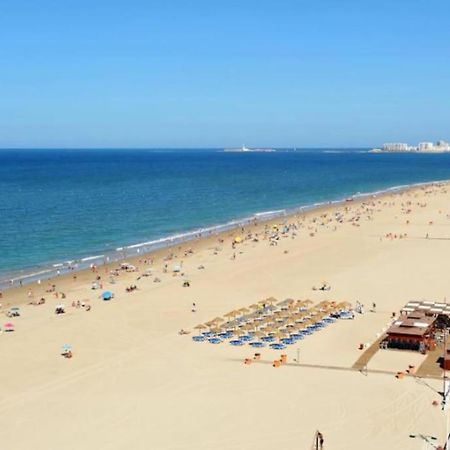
[135, 382]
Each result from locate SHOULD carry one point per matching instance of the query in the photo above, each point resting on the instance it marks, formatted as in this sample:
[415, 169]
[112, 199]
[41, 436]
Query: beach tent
[8, 326]
[107, 295]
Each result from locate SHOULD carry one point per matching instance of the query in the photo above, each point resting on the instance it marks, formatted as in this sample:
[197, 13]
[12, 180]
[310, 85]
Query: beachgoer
[320, 440]
[194, 307]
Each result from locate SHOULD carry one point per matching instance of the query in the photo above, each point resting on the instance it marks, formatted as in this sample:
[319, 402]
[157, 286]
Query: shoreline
[133, 365]
[17, 295]
[133, 252]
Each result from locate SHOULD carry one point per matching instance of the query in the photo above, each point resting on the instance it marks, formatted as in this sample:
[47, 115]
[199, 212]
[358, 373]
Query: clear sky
[214, 73]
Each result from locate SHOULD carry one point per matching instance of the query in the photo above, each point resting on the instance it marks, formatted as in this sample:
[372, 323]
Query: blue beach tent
[107, 295]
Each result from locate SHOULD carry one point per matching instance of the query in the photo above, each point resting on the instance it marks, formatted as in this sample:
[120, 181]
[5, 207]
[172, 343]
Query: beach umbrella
[107, 295]
[288, 301]
[199, 327]
[233, 313]
[177, 268]
[344, 305]
[280, 335]
[249, 326]
[244, 310]
[66, 348]
[218, 319]
[253, 315]
[8, 326]
[271, 300]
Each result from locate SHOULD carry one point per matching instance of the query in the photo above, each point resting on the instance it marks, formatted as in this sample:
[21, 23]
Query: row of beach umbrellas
[272, 317]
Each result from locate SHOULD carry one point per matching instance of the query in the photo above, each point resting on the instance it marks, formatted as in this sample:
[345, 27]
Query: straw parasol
[253, 315]
[200, 327]
[288, 301]
[268, 301]
[280, 335]
[233, 313]
[344, 305]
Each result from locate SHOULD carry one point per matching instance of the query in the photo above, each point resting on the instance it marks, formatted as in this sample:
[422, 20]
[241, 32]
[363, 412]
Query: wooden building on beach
[414, 331]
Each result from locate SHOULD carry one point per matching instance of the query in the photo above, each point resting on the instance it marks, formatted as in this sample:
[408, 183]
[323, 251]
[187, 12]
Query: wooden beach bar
[412, 332]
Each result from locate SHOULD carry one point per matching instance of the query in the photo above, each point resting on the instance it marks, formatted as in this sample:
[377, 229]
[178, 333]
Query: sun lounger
[278, 346]
[257, 344]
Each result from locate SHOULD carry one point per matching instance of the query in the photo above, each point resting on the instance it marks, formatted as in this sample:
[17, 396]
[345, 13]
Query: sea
[63, 209]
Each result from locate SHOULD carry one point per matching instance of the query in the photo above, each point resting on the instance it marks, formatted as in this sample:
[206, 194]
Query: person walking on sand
[319, 444]
[194, 307]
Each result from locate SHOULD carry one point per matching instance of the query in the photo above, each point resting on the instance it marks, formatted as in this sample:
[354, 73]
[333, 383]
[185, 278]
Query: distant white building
[443, 146]
[396, 147]
[423, 147]
[426, 146]
[439, 147]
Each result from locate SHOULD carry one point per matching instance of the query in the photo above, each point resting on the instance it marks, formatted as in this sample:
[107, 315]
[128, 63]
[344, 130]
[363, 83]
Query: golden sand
[135, 383]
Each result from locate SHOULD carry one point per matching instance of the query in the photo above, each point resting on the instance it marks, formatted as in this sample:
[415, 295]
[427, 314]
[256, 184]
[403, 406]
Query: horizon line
[185, 148]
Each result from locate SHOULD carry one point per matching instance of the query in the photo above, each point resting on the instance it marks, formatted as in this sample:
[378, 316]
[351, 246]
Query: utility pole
[445, 386]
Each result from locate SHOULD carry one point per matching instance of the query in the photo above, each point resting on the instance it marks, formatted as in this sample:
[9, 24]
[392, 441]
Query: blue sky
[314, 73]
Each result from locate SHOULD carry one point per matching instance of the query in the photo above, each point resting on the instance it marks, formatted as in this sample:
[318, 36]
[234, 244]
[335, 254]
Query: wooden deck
[431, 367]
[363, 360]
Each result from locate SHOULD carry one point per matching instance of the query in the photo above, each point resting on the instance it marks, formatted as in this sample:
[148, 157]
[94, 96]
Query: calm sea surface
[57, 205]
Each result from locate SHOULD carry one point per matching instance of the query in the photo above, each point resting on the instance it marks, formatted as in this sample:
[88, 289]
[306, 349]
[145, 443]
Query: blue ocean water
[57, 205]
